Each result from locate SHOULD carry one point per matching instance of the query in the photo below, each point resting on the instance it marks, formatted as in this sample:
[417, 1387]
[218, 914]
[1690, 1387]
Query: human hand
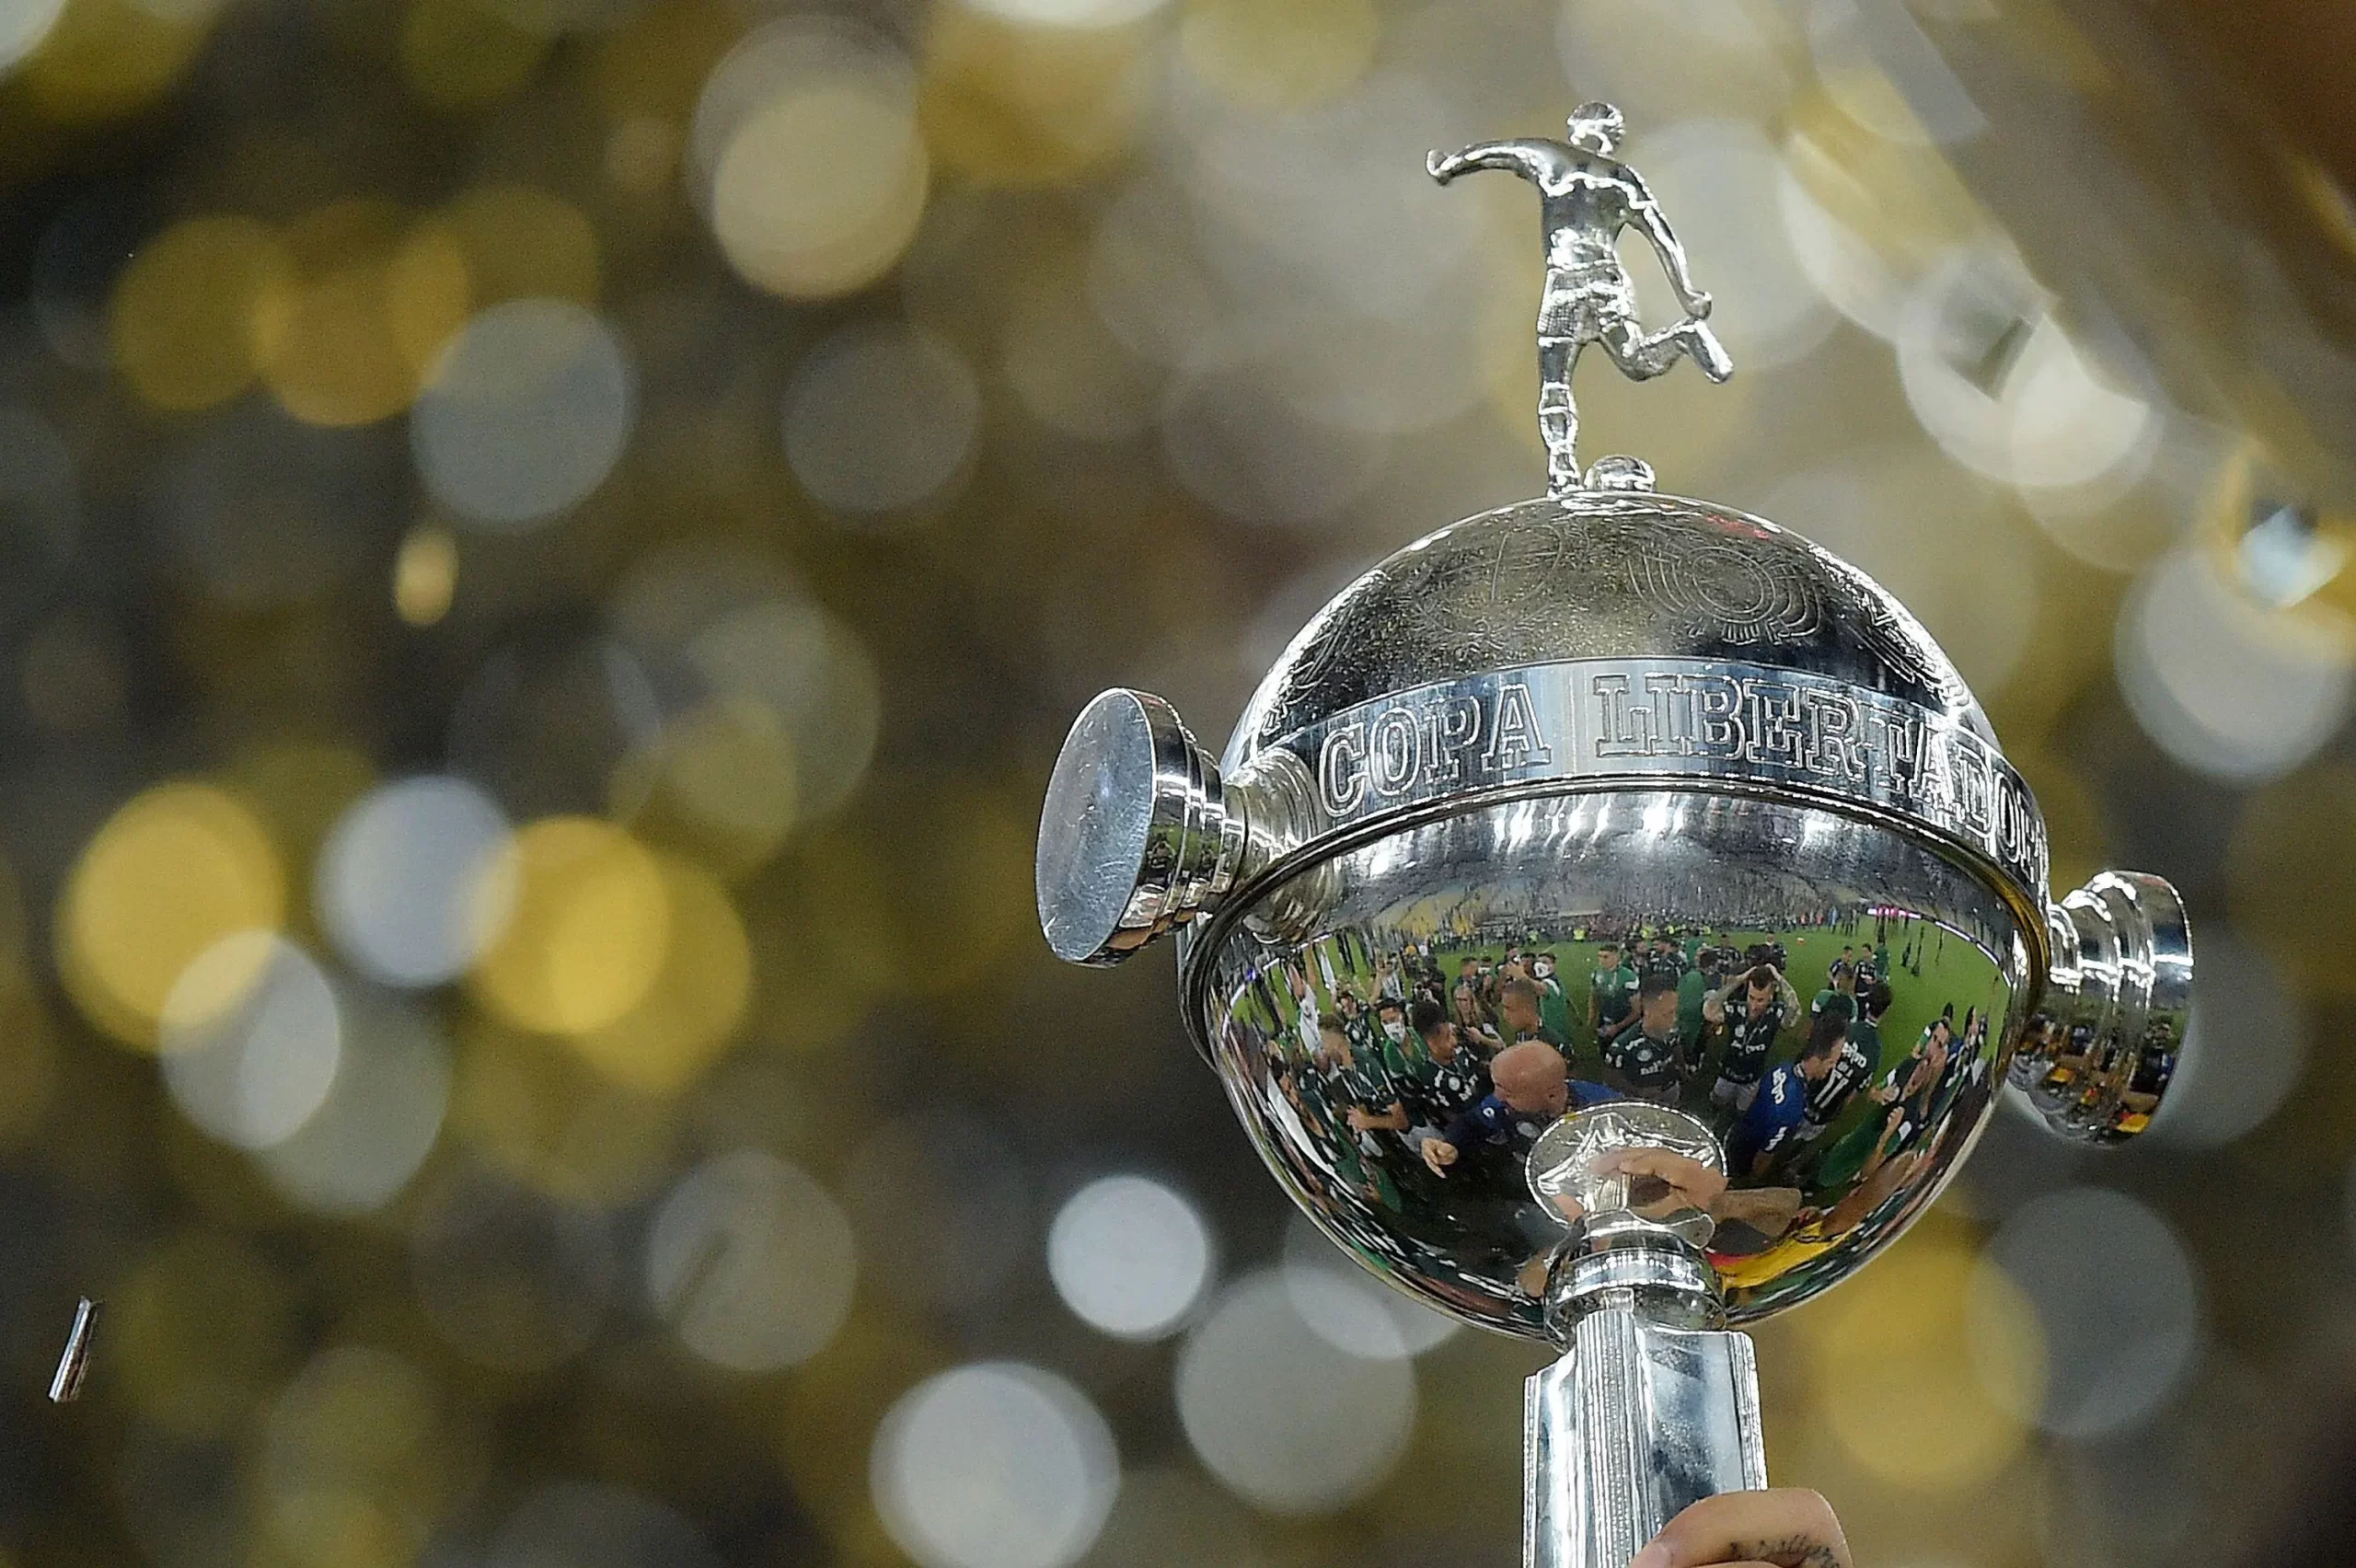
[1788, 1527]
[1697, 305]
[1438, 1155]
[1440, 166]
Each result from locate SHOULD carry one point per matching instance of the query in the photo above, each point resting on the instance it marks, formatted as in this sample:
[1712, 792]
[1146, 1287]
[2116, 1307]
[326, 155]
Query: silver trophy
[1613, 918]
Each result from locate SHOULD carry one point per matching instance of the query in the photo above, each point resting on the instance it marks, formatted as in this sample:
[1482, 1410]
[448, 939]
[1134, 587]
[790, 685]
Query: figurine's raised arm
[1533, 161]
[1647, 210]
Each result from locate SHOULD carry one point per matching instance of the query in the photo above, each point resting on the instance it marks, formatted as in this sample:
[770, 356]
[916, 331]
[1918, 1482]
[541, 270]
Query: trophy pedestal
[1638, 1420]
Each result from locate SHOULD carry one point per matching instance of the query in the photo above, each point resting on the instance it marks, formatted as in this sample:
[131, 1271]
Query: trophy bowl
[1613, 797]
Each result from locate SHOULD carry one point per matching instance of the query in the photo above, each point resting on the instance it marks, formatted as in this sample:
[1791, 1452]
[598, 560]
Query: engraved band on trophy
[1695, 760]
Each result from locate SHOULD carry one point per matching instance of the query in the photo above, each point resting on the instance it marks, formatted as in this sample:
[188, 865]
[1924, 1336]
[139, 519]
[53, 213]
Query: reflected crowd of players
[1415, 1079]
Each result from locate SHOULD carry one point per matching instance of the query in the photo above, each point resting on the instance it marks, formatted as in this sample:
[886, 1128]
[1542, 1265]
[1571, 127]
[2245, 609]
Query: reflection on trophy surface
[1613, 917]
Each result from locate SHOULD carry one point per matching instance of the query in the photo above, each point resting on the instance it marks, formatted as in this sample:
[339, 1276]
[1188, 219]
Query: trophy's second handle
[1636, 1421]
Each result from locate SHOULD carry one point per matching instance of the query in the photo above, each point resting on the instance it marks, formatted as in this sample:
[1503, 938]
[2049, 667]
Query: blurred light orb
[416, 879]
[1721, 180]
[1349, 1306]
[513, 1278]
[590, 932]
[331, 333]
[722, 776]
[994, 1465]
[2117, 1300]
[1660, 59]
[2228, 687]
[425, 575]
[1283, 57]
[251, 1038]
[1973, 1360]
[1995, 380]
[751, 1263]
[807, 667]
[1233, 439]
[807, 154]
[879, 417]
[1282, 1415]
[382, 1114]
[2244, 1052]
[1070, 13]
[690, 1014]
[350, 1462]
[525, 413]
[580, 1525]
[175, 870]
[23, 24]
[183, 317]
[1129, 1256]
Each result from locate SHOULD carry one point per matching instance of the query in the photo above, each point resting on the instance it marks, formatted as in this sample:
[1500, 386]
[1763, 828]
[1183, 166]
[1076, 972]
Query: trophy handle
[1638, 1419]
[2097, 1059]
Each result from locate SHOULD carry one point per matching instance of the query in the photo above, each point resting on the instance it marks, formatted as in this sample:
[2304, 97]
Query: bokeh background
[546, 548]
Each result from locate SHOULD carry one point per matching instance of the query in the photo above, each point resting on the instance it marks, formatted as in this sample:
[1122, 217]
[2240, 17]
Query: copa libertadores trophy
[1613, 916]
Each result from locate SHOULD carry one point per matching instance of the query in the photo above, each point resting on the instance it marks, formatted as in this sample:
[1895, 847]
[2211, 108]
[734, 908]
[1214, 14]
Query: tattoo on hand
[1803, 1552]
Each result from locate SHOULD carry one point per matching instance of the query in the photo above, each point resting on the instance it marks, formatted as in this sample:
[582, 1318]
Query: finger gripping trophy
[1612, 918]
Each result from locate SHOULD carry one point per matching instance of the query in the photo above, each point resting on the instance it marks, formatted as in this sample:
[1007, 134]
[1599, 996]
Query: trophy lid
[1607, 635]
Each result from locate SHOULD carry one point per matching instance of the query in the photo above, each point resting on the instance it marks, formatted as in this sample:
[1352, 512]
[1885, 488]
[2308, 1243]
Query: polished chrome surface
[1139, 832]
[1634, 719]
[1601, 575]
[1636, 1422]
[1586, 200]
[1612, 918]
[74, 1362]
[1414, 1152]
[2100, 1052]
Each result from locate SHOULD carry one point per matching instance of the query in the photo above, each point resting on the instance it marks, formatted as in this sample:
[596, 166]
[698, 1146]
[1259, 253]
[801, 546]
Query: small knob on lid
[1136, 836]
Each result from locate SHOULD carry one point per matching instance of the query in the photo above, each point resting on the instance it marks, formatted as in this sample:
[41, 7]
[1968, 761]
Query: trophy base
[1636, 1421]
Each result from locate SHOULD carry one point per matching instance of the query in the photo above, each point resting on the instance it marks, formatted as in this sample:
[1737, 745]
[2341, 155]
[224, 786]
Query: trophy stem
[1650, 1409]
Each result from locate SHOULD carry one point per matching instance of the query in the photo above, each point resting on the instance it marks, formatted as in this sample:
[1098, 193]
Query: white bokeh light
[416, 879]
[251, 1038]
[1350, 1308]
[1129, 1256]
[2227, 686]
[994, 1465]
[2118, 1302]
[2244, 1052]
[751, 1262]
[879, 417]
[1281, 1414]
[526, 412]
[382, 1114]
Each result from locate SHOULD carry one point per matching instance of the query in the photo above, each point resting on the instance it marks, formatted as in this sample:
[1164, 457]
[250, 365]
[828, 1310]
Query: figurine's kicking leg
[1558, 417]
[1641, 356]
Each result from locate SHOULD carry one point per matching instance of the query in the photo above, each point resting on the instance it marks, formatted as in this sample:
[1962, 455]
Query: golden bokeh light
[691, 1013]
[199, 1332]
[172, 872]
[2289, 887]
[355, 1464]
[184, 310]
[720, 780]
[335, 337]
[490, 244]
[426, 574]
[108, 58]
[1280, 53]
[1022, 104]
[1971, 1357]
[820, 191]
[591, 931]
[533, 1107]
